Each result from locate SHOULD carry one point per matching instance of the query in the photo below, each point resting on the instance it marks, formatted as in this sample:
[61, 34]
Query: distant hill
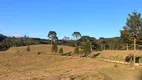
[44, 49]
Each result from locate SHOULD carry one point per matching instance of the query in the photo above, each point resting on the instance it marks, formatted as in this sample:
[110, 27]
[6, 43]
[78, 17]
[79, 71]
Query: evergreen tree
[133, 28]
[76, 50]
[61, 51]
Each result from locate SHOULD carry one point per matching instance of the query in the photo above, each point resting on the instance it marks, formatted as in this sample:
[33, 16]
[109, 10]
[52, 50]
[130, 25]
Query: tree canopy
[133, 28]
[76, 35]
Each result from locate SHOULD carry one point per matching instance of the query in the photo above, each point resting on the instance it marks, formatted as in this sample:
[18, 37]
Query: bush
[129, 58]
[115, 66]
[54, 48]
[28, 48]
[76, 50]
[87, 48]
[61, 51]
[38, 53]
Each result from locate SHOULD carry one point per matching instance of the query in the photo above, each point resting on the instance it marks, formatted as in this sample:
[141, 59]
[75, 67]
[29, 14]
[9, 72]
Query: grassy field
[118, 54]
[34, 49]
[30, 66]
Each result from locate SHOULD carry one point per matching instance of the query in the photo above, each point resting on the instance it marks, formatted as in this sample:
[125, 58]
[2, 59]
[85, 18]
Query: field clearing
[41, 67]
[18, 64]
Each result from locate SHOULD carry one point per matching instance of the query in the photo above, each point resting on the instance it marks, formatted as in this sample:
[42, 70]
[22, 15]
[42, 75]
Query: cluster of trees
[7, 42]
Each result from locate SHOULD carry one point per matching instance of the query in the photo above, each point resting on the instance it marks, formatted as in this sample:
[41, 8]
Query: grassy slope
[48, 67]
[54, 67]
[46, 49]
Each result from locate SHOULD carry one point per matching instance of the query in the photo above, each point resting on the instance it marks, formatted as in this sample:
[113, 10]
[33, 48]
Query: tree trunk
[127, 46]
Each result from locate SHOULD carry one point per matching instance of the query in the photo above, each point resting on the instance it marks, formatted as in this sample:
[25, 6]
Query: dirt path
[120, 62]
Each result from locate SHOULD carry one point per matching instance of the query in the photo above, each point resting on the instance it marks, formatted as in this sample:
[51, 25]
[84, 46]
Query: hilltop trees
[132, 28]
[7, 42]
[76, 35]
[53, 36]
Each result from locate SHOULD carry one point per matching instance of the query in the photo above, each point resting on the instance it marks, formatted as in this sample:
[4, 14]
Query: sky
[35, 18]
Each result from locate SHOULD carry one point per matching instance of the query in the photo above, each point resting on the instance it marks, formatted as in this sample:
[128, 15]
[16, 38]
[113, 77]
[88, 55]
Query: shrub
[115, 66]
[61, 51]
[67, 54]
[76, 50]
[28, 48]
[38, 53]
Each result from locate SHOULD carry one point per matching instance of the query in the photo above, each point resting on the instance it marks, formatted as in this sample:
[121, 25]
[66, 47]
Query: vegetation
[28, 48]
[61, 51]
[133, 28]
[54, 48]
[53, 36]
[87, 48]
[76, 50]
[76, 35]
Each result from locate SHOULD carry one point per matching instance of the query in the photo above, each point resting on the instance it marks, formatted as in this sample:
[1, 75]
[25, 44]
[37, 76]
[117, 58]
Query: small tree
[87, 48]
[28, 48]
[54, 48]
[61, 51]
[76, 50]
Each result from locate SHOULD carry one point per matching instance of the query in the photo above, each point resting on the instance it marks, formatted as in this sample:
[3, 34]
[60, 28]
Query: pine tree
[76, 50]
[133, 28]
[61, 51]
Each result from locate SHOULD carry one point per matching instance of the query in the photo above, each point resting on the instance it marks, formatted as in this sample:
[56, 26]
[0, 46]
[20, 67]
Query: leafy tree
[52, 35]
[94, 45]
[61, 51]
[54, 48]
[55, 39]
[76, 35]
[133, 26]
[76, 50]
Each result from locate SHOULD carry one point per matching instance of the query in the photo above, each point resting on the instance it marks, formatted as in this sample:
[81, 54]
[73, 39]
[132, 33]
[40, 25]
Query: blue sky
[35, 18]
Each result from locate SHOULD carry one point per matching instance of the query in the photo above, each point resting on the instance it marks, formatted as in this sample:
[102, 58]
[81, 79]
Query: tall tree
[133, 28]
[76, 35]
[52, 35]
